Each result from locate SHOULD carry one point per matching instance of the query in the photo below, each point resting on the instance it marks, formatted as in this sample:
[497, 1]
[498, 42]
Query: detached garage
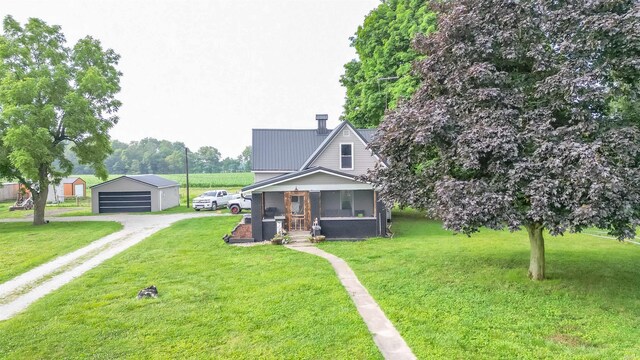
[135, 193]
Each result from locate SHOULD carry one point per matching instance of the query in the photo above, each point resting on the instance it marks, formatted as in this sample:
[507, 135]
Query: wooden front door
[297, 210]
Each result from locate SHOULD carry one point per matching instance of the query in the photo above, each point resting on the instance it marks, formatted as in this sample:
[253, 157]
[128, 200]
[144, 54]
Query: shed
[135, 193]
[74, 187]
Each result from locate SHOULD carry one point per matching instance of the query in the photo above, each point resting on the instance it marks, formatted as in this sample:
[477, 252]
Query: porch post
[256, 216]
[381, 216]
[314, 196]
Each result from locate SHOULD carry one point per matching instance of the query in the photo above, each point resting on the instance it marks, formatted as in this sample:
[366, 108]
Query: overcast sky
[206, 72]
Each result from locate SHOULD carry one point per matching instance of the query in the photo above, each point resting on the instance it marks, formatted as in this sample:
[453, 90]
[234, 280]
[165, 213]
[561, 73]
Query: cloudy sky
[206, 72]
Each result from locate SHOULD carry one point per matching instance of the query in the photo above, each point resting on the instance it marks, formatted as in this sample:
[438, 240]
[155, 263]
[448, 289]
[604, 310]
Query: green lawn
[70, 206]
[216, 301]
[24, 246]
[455, 297]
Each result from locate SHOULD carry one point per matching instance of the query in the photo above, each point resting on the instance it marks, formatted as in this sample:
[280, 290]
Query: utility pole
[186, 163]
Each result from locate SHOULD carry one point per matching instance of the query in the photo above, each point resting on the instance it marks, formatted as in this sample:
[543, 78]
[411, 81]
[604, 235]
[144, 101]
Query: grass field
[24, 246]
[216, 301]
[454, 297]
[83, 206]
[209, 181]
[6, 214]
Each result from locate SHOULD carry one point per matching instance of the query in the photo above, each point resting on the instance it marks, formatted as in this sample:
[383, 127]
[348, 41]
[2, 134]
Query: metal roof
[153, 180]
[367, 134]
[70, 180]
[288, 149]
[283, 149]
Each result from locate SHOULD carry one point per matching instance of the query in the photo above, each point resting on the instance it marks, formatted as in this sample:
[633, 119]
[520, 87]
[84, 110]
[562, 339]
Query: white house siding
[318, 181]
[363, 159]
[261, 176]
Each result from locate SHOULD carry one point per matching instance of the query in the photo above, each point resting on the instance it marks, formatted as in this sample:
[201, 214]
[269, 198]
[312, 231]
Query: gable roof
[69, 180]
[330, 138]
[149, 179]
[295, 175]
[288, 149]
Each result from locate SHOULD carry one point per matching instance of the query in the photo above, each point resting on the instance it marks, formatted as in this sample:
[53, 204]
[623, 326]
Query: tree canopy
[51, 95]
[382, 74]
[154, 156]
[527, 116]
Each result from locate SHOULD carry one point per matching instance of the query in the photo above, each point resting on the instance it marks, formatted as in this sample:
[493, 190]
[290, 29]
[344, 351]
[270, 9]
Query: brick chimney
[322, 124]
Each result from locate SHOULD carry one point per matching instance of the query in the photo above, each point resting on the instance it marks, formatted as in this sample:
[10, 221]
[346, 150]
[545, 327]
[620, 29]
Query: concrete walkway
[20, 292]
[385, 335]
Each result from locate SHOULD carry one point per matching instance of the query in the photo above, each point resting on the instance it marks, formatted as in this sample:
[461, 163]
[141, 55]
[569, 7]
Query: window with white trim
[346, 156]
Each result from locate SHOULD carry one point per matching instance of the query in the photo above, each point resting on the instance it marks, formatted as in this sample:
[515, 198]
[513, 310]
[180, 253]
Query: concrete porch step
[299, 237]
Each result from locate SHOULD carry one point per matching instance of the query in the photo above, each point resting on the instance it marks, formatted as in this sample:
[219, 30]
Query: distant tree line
[153, 156]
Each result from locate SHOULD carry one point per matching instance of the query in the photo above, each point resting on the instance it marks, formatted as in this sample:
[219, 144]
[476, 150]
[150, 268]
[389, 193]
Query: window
[346, 200]
[273, 204]
[346, 133]
[346, 156]
[347, 204]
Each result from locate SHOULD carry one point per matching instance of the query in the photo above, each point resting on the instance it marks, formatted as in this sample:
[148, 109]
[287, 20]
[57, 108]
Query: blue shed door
[124, 201]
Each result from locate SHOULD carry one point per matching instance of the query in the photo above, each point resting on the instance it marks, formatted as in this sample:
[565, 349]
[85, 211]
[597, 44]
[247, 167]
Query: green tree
[51, 95]
[527, 117]
[175, 162]
[382, 75]
[230, 165]
[245, 159]
[207, 160]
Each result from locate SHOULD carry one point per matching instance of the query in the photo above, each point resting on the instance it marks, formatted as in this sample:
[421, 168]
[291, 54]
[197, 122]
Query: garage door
[124, 201]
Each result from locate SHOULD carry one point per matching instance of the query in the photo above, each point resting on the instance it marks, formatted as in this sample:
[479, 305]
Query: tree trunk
[40, 202]
[536, 262]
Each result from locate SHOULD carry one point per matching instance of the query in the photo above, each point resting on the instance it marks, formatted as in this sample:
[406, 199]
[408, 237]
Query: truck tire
[235, 209]
[214, 206]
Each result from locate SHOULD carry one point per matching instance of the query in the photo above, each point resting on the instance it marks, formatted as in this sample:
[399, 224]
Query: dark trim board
[124, 201]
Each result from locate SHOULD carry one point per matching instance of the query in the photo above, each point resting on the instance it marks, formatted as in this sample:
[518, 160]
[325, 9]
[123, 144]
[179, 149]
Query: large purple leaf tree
[527, 117]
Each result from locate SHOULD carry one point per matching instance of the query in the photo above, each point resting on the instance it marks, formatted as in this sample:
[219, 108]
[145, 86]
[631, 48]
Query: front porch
[344, 207]
[341, 214]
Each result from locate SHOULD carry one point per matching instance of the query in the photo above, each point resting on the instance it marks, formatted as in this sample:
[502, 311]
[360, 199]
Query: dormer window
[346, 156]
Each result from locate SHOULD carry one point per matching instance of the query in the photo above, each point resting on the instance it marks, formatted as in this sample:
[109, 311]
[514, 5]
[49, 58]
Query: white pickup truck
[238, 204]
[212, 200]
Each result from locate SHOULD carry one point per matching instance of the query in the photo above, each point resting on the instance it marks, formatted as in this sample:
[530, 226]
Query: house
[301, 175]
[135, 193]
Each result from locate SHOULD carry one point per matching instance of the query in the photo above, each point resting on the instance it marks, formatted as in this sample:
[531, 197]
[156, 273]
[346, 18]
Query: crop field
[195, 180]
